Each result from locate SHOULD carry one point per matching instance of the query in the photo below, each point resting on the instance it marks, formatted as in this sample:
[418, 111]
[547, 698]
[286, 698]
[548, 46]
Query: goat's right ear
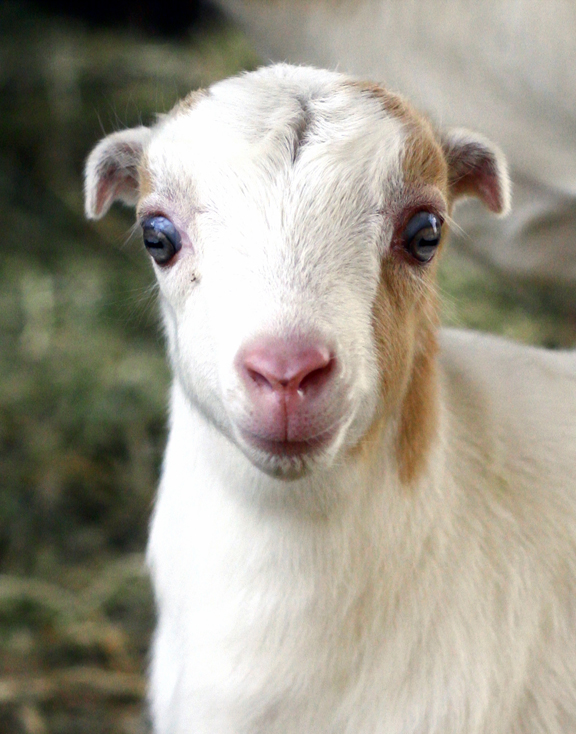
[477, 167]
[112, 170]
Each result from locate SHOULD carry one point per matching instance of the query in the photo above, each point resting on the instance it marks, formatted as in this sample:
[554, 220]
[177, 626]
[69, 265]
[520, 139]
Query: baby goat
[364, 525]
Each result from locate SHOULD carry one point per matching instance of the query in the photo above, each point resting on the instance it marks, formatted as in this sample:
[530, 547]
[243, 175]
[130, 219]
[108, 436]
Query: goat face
[282, 209]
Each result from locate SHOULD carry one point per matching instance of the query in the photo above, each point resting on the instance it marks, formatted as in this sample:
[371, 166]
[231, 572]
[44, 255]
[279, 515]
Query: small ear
[112, 170]
[477, 167]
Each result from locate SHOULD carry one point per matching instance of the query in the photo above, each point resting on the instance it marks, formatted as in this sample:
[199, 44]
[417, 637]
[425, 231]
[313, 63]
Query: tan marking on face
[423, 161]
[424, 164]
[405, 310]
[393, 104]
[405, 320]
[419, 414]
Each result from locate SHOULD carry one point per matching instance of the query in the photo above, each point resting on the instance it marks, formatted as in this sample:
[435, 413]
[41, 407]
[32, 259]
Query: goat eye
[161, 239]
[422, 236]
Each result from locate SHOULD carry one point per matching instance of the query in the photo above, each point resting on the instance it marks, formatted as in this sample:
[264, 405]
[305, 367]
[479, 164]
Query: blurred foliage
[83, 377]
[477, 297]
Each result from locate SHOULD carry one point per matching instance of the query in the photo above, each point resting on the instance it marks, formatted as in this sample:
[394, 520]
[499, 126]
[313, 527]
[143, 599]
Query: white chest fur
[362, 608]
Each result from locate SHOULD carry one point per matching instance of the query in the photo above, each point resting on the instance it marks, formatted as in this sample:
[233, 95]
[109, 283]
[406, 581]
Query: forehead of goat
[284, 206]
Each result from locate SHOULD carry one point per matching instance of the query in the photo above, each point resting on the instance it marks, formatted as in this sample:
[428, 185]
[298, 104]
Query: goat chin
[364, 523]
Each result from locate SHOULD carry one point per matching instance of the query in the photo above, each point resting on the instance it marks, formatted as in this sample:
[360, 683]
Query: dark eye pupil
[161, 239]
[422, 236]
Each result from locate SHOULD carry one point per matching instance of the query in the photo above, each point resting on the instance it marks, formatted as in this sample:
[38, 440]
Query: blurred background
[83, 379]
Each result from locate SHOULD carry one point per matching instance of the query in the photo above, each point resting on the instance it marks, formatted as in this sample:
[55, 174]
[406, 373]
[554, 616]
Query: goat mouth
[289, 449]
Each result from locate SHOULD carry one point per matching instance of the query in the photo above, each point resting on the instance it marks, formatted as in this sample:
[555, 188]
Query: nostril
[317, 377]
[258, 378]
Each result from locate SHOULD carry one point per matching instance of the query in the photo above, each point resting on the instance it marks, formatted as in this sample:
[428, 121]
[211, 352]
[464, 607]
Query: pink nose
[287, 368]
[287, 385]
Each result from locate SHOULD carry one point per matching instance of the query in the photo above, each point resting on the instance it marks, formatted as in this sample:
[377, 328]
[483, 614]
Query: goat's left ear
[476, 167]
[112, 170]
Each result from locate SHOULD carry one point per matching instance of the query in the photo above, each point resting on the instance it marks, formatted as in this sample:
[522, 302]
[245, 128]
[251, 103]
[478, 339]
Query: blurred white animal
[363, 525]
[507, 68]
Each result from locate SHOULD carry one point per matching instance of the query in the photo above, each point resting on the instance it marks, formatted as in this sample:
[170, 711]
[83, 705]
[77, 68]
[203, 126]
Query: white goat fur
[368, 588]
